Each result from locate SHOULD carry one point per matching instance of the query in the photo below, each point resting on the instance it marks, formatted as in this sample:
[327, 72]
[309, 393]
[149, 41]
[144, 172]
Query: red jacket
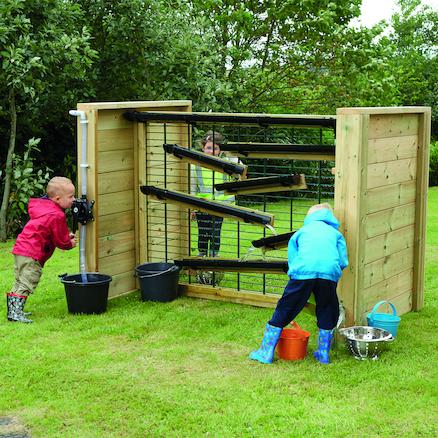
[46, 230]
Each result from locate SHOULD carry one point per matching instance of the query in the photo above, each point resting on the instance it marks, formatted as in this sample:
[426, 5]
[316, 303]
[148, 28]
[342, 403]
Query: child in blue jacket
[317, 254]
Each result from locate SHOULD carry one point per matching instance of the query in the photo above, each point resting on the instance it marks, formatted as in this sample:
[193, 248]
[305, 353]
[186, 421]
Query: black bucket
[86, 297]
[158, 281]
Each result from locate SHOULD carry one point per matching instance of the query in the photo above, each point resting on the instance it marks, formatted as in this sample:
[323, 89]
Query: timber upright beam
[381, 182]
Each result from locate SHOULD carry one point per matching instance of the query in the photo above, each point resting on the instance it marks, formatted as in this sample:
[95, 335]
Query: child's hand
[72, 239]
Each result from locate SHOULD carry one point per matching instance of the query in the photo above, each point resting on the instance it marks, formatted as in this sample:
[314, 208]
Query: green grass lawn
[181, 369]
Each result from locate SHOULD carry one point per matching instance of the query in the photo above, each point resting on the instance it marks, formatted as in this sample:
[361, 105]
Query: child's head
[61, 191]
[324, 205]
[211, 143]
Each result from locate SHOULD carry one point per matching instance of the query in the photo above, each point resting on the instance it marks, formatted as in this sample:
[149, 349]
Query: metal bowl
[366, 342]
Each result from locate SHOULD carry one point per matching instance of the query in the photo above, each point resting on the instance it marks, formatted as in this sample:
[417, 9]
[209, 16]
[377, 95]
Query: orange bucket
[292, 344]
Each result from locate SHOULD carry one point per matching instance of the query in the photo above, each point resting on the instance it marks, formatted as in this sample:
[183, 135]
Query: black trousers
[209, 232]
[295, 296]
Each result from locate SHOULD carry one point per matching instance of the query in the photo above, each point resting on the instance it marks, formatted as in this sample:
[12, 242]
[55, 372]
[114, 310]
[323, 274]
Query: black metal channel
[262, 120]
[246, 148]
[226, 166]
[246, 216]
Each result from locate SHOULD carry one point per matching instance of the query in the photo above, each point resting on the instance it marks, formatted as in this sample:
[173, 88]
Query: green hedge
[433, 166]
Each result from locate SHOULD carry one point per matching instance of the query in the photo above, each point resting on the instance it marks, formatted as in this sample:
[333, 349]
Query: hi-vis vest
[202, 184]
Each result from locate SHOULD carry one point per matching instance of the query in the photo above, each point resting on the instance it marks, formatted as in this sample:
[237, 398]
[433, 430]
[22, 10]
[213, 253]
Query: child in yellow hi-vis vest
[202, 182]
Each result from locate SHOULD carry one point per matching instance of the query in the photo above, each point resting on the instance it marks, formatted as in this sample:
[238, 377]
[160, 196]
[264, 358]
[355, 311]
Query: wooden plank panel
[111, 244]
[386, 267]
[111, 182]
[392, 148]
[116, 223]
[118, 263]
[112, 161]
[389, 220]
[116, 202]
[388, 288]
[391, 172]
[382, 198]
[386, 244]
[116, 139]
[122, 284]
[393, 125]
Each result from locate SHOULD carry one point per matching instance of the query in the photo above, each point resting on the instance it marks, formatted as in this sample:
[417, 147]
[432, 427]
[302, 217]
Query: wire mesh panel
[173, 228]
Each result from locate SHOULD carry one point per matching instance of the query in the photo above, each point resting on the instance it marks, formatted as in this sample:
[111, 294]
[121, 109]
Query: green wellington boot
[15, 305]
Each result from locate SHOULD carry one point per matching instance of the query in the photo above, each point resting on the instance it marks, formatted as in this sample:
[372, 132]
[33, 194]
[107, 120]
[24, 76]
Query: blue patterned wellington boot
[265, 354]
[324, 340]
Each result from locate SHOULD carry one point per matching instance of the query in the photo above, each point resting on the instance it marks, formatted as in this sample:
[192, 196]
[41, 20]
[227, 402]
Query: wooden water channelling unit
[378, 161]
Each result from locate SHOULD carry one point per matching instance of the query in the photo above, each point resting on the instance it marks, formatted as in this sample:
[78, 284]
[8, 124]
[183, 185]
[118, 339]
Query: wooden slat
[91, 256]
[113, 119]
[234, 296]
[112, 161]
[139, 105]
[116, 223]
[118, 263]
[379, 110]
[122, 284]
[424, 122]
[402, 303]
[392, 148]
[141, 216]
[393, 125]
[112, 182]
[386, 267]
[115, 139]
[389, 220]
[351, 152]
[386, 244]
[116, 202]
[390, 196]
[391, 172]
[112, 244]
[388, 288]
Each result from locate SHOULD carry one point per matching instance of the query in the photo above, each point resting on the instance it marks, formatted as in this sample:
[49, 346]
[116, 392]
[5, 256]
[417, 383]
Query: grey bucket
[158, 281]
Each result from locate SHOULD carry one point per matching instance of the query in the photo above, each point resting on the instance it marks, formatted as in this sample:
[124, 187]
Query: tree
[150, 50]
[413, 43]
[39, 39]
[297, 56]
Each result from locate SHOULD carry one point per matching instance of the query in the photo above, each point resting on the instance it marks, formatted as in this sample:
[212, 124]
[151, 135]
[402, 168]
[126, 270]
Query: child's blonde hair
[324, 205]
[56, 185]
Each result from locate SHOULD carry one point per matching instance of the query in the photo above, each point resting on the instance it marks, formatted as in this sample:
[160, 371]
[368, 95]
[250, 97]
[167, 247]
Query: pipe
[83, 165]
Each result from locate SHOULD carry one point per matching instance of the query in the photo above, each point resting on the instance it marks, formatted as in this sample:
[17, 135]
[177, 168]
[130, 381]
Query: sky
[375, 10]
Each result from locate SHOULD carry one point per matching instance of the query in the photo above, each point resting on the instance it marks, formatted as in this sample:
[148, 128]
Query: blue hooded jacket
[318, 249]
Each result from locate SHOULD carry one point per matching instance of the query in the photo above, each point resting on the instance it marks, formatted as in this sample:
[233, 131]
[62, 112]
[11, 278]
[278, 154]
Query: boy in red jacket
[46, 230]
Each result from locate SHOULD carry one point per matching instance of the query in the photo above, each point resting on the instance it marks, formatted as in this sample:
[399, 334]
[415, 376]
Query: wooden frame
[381, 178]
[381, 182]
